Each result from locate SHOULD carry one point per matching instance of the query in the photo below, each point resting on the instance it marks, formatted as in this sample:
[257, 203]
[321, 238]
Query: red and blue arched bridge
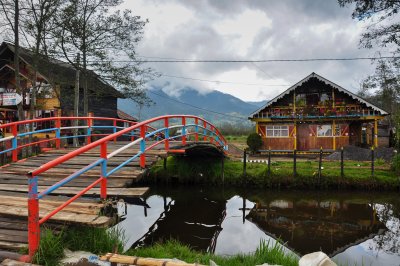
[164, 132]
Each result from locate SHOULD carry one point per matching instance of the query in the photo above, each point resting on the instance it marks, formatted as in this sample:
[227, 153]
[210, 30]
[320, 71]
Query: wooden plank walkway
[85, 211]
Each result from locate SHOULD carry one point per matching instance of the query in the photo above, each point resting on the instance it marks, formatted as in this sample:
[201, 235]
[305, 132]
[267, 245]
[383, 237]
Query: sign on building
[10, 98]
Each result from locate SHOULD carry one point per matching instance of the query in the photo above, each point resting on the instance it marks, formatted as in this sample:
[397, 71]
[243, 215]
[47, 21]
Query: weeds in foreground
[265, 253]
[95, 240]
[51, 248]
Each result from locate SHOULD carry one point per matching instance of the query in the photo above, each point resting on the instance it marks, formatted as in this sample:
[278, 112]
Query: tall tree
[382, 87]
[106, 38]
[10, 9]
[385, 29]
[38, 19]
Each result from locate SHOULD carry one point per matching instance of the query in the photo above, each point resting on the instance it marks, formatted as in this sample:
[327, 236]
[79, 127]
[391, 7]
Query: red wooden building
[315, 113]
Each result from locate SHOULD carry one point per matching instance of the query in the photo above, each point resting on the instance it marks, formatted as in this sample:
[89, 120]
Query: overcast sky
[251, 30]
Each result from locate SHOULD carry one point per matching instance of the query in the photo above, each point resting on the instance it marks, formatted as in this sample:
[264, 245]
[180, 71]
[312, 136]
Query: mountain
[258, 104]
[214, 106]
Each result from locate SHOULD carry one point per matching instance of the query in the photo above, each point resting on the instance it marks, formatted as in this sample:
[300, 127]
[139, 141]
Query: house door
[303, 137]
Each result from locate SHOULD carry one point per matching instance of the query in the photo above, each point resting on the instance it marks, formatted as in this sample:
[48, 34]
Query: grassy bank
[99, 241]
[265, 253]
[208, 171]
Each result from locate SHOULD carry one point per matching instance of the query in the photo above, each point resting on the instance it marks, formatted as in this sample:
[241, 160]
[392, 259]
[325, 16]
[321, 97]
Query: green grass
[95, 240]
[208, 171]
[265, 253]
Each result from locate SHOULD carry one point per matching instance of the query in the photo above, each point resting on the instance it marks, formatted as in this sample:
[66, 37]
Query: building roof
[62, 73]
[334, 85]
[125, 116]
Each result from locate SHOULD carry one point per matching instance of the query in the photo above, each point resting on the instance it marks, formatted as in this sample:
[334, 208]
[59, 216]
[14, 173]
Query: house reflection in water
[190, 218]
[308, 225]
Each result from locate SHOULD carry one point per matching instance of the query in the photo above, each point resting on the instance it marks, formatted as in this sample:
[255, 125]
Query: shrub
[254, 142]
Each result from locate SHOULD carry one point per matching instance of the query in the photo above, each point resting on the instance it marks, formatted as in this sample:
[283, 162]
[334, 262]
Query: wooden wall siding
[318, 142]
[342, 141]
[261, 130]
[278, 143]
[99, 106]
[355, 134]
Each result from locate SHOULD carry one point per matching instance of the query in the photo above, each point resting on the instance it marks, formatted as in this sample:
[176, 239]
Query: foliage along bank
[357, 175]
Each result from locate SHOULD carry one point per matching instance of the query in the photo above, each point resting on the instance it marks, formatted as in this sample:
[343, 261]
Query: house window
[324, 131]
[277, 131]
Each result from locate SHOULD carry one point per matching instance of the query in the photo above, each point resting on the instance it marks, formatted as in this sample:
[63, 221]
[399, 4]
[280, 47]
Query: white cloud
[237, 29]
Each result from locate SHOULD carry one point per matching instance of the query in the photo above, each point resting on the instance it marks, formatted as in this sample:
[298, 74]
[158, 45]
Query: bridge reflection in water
[229, 221]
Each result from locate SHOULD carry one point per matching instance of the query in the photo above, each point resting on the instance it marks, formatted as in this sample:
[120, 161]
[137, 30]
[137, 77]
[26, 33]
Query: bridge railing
[52, 130]
[199, 128]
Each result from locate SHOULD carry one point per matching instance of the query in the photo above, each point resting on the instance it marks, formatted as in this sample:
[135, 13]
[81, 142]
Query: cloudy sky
[250, 30]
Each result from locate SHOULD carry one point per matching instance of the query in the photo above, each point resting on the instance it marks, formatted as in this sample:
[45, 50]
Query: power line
[197, 107]
[225, 82]
[254, 61]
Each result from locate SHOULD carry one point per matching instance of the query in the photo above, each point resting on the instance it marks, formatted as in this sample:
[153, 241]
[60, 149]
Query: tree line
[383, 31]
[88, 34]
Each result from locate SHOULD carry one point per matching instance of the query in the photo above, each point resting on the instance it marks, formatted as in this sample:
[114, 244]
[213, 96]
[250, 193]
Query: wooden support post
[244, 162]
[295, 136]
[341, 163]
[320, 167]
[257, 127]
[372, 162]
[376, 133]
[294, 162]
[334, 134]
[269, 162]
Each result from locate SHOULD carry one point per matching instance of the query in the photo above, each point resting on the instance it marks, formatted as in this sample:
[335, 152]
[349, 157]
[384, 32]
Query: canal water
[351, 227]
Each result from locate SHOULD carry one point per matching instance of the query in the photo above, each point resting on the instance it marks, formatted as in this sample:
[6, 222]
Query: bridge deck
[14, 187]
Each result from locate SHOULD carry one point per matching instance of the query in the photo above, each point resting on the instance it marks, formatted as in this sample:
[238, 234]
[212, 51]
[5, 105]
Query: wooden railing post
[294, 163]
[183, 130]
[14, 143]
[115, 129]
[205, 131]
[320, 166]
[166, 133]
[103, 185]
[142, 146]
[89, 129]
[33, 215]
[196, 135]
[372, 161]
[58, 132]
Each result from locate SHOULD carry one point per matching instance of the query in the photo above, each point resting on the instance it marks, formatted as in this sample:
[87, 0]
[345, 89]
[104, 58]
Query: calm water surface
[348, 226]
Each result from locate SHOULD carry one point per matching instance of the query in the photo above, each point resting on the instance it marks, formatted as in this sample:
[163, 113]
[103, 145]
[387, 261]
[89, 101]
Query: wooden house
[55, 81]
[315, 113]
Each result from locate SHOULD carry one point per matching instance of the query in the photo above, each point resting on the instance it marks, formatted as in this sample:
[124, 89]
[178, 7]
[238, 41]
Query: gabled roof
[125, 116]
[334, 85]
[63, 73]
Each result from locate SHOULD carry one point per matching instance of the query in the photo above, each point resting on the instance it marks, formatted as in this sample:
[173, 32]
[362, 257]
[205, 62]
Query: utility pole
[76, 100]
